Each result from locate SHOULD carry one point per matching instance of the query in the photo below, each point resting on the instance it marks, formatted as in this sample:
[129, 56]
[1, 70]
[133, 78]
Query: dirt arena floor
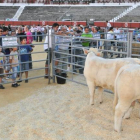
[38, 111]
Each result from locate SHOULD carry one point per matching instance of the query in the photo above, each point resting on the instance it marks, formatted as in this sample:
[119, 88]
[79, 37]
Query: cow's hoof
[127, 118]
[101, 102]
[118, 130]
[92, 104]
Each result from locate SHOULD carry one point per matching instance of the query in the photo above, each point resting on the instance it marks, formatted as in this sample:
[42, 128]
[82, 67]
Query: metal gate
[70, 53]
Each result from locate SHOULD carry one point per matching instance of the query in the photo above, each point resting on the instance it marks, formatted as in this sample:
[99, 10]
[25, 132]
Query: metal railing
[67, 52]
[74, 55]
[7, 66]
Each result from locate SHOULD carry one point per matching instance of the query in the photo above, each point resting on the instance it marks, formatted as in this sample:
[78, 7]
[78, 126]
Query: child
[24, 57]
[14, 66]
[1, 68]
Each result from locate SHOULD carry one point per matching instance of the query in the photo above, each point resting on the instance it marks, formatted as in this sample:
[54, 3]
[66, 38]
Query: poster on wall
[11, 19]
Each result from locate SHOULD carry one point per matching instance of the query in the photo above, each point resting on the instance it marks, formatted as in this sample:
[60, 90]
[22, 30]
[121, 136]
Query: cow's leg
[91, 87]
[120, 110]
[139, 110]
[127, 114]
[100, 92]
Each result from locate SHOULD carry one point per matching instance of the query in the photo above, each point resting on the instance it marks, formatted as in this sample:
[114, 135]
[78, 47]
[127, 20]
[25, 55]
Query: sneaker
[7, 78]
[26, 81]
[17, 84]
[14, 85]
[19, 81]
[2, 87]
[46, 77]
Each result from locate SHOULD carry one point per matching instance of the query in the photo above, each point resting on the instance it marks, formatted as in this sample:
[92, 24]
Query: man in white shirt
[48, 48]
[64, 39]
[108, 25]
[39, 34]
[33, 31]
[108, 44]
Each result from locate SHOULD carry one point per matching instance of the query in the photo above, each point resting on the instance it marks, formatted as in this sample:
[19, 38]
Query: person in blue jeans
[24, 52]
[14, 66]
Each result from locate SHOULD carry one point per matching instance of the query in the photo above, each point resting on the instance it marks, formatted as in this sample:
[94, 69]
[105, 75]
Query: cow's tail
[115, 102]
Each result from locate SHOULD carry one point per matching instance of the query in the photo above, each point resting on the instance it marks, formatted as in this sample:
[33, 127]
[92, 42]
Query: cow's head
[94, 50]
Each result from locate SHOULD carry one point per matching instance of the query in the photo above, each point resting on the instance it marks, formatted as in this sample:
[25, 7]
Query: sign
[9, 41]
[125, 24]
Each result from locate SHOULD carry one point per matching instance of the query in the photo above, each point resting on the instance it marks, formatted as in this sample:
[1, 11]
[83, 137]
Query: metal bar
[71, 80]
[24, 70]
[24, 62]
[27, 79]
[49, 56]
[70, 71]
[70, 63]
[53, 55]
[24, 53]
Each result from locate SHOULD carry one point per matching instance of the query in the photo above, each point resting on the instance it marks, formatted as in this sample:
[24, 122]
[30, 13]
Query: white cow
[127, 90]
[101, 73]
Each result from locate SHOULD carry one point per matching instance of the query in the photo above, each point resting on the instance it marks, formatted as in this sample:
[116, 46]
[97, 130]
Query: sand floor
[38, 111]
[62, 112]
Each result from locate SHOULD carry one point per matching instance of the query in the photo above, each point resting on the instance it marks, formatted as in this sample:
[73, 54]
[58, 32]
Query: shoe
[14, 85]
[17, 84]
[19, 81]
[46, 77]
[26, 81]
[7, 78]
[2, 87]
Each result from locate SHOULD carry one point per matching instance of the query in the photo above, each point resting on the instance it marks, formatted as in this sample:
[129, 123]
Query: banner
[9, 41]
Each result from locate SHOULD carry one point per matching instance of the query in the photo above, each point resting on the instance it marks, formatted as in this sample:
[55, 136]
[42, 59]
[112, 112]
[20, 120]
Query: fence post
[129, 44]
[49, 68]
[72, 58]
[53, 54]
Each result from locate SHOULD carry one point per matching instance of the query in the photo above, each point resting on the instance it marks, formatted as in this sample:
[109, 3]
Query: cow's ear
[85, 51]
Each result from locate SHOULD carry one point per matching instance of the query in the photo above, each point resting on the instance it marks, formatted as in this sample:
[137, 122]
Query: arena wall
[97, 23]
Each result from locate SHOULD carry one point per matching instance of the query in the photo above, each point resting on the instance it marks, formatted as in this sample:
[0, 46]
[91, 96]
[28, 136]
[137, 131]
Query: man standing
[48, 47]
[108, 25]
[7, 53]
[108, 44]
[39, 34]
[33, 31]
[86, 34]
[9, 28]
[29, 41]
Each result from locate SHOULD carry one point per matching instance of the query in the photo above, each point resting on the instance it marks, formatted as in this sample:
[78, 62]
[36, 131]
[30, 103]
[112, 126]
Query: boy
[24, 57]
[1, 68]
[14, 66]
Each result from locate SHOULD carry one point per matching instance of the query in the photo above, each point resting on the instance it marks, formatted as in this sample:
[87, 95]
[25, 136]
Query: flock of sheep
[121, 75]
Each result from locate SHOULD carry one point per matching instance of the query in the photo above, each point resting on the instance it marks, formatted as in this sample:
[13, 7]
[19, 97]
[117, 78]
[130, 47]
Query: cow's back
[103, 71]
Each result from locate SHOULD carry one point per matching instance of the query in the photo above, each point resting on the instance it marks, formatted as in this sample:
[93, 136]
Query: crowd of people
[18, 59]
[118, 1]
[93, 32]
[15, 58]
